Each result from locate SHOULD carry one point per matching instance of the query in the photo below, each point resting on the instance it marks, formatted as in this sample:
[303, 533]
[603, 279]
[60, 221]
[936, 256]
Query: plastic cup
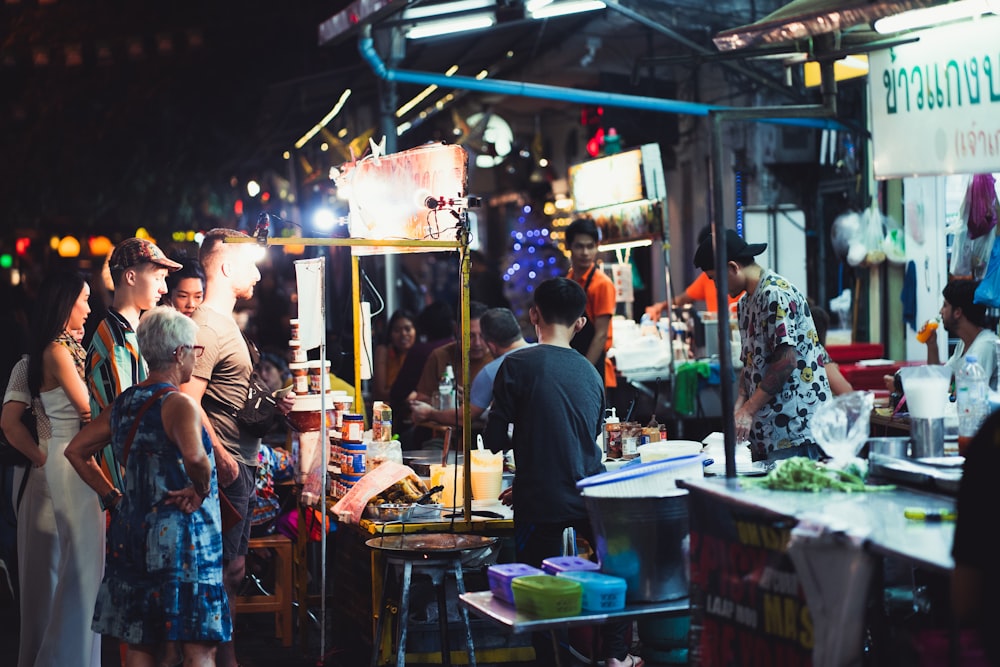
[487, 474]
[453, 482]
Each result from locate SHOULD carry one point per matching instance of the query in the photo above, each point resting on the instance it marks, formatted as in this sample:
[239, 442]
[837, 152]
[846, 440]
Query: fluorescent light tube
[448, 26]
[441, 10]
[569, 7]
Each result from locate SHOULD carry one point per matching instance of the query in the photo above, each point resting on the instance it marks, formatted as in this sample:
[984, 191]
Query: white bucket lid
[311, 402]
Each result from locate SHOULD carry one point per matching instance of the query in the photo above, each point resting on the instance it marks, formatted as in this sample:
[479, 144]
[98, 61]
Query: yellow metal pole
[464, 260]
[356, 291]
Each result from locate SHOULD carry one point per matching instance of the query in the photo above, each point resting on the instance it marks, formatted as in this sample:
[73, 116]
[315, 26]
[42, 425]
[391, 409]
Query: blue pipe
[366, 46]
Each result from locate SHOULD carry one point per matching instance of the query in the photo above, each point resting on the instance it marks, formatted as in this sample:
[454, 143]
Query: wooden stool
[280, 601]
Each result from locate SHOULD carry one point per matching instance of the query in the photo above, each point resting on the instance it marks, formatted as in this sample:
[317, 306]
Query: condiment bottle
[612, 435]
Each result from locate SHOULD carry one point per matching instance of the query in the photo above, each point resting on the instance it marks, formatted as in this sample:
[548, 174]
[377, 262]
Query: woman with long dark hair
[61, 526]
[401, 334]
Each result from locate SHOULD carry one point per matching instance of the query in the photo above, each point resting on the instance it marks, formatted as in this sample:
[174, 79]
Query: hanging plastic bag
[979, 207]
[969, 257]
[874, 240]
[988, 292]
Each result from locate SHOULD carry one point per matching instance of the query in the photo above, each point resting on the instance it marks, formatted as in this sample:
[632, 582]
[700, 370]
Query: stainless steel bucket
[644, 541]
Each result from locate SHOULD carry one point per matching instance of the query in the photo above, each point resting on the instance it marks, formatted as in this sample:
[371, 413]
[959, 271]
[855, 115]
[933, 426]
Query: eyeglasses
[197, 349]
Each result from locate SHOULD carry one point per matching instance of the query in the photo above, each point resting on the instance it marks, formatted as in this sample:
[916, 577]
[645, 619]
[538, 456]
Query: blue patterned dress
[163, 578]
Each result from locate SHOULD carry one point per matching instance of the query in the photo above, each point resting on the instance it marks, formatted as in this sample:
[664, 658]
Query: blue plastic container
[558, 564]
[601, 592]
[500, 577]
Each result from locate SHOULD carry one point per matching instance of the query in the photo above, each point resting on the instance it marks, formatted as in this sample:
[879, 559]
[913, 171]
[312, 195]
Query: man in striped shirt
[114, 363]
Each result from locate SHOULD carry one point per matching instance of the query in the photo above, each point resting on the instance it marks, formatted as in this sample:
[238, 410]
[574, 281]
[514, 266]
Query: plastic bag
[874, 239]
[841, 425]
[350, 507]
[979, 207]
[988, 292]
[970, 257]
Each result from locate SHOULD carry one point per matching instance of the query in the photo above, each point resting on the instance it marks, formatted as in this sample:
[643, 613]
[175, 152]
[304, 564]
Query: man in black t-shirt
[554, 399]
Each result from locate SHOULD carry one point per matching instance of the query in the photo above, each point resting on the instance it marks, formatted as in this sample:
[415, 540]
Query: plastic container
[316, 374]
[500, 577]
[298, 354]
[669, 449]
[557, 564]
[601, 592]
[353, 458]
[545, 596]
[972, 393]
[300, 377]
[645, 480]
[353, 429]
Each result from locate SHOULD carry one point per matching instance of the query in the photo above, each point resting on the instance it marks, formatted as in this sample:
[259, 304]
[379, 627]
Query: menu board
[390, 196]
[747, 605]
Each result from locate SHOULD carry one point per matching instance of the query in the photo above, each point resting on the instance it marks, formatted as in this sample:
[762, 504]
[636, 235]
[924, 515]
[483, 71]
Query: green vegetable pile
[801, 473]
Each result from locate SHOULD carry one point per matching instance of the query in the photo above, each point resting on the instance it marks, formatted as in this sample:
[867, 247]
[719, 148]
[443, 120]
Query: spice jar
[316, 375]
[354, 428]
[298, 354]
[300, 377]
[294, 324]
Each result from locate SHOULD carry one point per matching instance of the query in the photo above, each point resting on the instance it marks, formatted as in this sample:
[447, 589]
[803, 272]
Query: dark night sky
[147, 139]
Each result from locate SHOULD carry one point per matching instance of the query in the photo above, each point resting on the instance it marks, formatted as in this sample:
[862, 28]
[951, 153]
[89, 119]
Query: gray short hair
[161, 331]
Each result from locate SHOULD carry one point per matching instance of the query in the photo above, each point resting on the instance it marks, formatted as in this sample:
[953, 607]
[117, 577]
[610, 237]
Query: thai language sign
[935, 103]
[747, 605]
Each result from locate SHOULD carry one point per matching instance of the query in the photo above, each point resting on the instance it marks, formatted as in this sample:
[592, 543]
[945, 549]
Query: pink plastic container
[501, 575]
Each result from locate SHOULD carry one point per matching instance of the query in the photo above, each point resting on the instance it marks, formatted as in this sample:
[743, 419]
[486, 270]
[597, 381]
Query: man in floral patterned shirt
[784, 376]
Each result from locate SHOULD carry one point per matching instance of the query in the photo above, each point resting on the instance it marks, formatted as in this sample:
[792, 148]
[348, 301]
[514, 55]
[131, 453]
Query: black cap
[736, 249]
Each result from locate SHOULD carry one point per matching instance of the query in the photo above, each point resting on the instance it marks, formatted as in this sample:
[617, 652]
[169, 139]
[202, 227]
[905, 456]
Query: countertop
[877, 516]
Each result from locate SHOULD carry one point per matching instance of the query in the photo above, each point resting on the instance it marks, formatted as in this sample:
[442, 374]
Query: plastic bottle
[971, 399]
[446, 389]
[925, 331]
[612, 435]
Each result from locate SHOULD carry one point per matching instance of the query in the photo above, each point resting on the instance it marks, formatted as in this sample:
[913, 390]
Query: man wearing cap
[784, 375]
[114, 362]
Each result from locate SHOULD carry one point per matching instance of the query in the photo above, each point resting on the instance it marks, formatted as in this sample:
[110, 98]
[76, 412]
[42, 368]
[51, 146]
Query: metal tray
[913, 473]
[419, 544]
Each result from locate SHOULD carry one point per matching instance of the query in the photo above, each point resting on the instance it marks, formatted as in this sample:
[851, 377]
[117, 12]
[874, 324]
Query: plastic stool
[437, 569]
[280, 601]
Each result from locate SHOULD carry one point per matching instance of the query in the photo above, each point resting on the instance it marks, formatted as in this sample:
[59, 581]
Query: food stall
[412, 201]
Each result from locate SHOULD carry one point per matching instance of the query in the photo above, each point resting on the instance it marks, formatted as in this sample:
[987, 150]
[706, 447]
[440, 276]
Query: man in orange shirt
[594, 340]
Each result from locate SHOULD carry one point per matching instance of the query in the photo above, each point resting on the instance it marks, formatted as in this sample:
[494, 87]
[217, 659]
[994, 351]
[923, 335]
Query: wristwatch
[109, 498]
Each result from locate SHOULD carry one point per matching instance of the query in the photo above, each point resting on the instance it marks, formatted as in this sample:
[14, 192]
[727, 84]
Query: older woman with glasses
[163, 580]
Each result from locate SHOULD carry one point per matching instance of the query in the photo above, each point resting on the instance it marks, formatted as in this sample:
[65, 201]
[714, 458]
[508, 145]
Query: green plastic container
[547, 596]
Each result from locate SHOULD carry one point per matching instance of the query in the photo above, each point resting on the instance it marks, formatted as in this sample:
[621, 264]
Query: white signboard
[935, 103]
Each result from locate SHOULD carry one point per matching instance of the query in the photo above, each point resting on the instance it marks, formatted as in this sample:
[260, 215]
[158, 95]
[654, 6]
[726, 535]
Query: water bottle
[446, 389]
[971, 399]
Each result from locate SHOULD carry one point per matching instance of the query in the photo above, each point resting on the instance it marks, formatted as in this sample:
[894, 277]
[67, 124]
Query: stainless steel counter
[484, 604]
[876, 515]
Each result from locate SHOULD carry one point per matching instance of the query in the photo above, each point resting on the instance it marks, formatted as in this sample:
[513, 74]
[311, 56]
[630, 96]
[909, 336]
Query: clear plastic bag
[380, 452]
